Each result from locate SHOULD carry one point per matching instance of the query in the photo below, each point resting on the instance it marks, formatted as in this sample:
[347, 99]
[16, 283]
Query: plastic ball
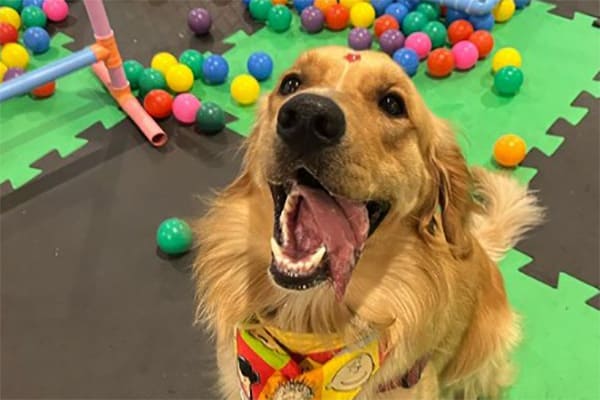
[430, 10]
[279, 2]
[384, 23]
[484, 42]
[459, 30]
[350, 3]
[420, 43]
[56, 10]
[508, 80]
[163, 61]
[410, 4]
[14, 4]
[10, 16]
[380, 6]
[37, 40]
[300, 5]
[509, 150]
[482, 22]
[504, 10]
[199, 21]
[360, 39]
[194, 60]
[362, 15]
[174, 236]
[522, 3]
[133, 71]
[391, 40]
[33, 16]
[245, 89]
[279, 18]
[408, 60]
[3, 69]
[398, 11]
[453, 14]
[13, 55]
[210, 118]
[323, 5]
[215, 69]
[312, 20]
[465, 55]
[504, 57]
[37, 3]
[180, 78]
[12, 73]
[260, 65]
[8, 33]
[158, 103]
[337, 17]
[185, 108]
[151, 79]
[44, 91]
[259, 9]
[440, 63]
[436, 32]
[413, 22]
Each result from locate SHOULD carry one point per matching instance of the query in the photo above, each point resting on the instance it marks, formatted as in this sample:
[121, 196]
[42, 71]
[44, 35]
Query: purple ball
[312, 19]
[13, 73]
[391, 40]
[199, 21]
[360, 39]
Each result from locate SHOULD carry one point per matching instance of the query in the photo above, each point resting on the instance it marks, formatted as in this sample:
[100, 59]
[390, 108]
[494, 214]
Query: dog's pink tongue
[340, 224]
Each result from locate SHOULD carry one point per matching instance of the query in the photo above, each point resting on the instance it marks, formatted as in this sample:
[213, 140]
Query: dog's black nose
[309, 122]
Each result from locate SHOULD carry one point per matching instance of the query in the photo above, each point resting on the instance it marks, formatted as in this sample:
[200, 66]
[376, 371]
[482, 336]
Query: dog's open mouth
[317, 235]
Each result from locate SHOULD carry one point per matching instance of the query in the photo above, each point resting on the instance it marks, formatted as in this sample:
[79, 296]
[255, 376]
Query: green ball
[430, 10]
[508, 80]
[194, 60]
[174, 236]
[436, 32]
[33, 16]
[133, 71]
[279, 18]
[259, 9]
[413, 22]
[14, 4]
[210, 118]
[151, 79]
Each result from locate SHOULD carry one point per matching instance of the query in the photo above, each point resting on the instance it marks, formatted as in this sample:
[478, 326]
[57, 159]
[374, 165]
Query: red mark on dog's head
[352, 57]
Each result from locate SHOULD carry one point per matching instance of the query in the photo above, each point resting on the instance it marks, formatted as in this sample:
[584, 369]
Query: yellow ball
[3, 69]
[245, 89]
[9, 15]
[505, 57]
[14, 55]
[350, 3]
[362, 15]
[504, 10]
[163, 61]
[180, 78]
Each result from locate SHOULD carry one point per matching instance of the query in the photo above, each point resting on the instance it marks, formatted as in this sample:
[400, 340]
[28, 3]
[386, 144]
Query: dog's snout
[309, 122]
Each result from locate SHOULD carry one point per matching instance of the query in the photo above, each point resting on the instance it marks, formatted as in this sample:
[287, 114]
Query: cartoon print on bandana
[293, 390]
[247, 376]
[353, 374]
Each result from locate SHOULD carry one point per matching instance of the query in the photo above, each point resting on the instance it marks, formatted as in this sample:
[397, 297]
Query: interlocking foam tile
[32, 128]
[568, 8]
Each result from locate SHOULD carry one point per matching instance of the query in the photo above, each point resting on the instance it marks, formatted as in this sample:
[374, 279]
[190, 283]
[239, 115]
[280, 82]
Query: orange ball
[440, 62]
[509, 150]
[280, 2]
[459, 30]
[158, 103]
[337, 17]
[46, 90]
[384, 23]
[484, 42]
[324, 5]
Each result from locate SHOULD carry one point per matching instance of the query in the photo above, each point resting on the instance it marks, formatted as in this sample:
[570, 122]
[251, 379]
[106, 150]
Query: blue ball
[215, 69]
[300, 5]
[36, 39]
[246, 3]
[398, 11]
[380, 6]
[453, 15]
[37, 3]
[260, 65]
[522, 3]
[407, 59]
[410, 4]
[485, 22]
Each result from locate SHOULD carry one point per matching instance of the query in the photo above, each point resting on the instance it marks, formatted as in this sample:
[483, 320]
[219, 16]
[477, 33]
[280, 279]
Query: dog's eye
[393, 105]
[289, 85]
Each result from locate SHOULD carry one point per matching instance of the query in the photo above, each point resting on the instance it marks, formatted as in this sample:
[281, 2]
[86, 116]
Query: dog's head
[348, 148]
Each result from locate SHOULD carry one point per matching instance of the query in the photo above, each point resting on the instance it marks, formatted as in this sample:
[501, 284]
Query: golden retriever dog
[356, 224]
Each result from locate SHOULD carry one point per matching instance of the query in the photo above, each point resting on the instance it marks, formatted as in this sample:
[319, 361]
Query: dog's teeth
[277, 253]
[316, 258]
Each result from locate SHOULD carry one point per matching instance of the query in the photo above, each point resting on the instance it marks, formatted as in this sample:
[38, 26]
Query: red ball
[8, 33]
[158, 103]
[46, 90]
[484, 41]
[440, 62]
[459, 30]
[337, 17]
[384, 23]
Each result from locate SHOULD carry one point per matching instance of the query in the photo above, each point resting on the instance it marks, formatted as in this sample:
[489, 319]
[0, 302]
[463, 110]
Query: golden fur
[425, 291]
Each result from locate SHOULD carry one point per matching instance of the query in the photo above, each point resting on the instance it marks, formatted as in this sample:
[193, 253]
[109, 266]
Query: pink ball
[185, 107]
[56, 10]
[420, 43]
[465, 54]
